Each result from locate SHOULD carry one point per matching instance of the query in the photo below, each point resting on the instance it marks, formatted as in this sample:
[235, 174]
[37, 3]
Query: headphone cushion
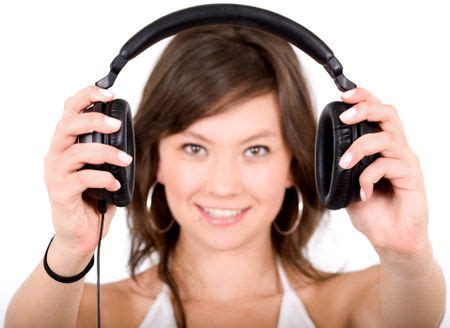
[122, 139]
[338, 187]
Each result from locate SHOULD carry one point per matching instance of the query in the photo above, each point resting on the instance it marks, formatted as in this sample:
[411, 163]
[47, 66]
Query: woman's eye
[255, 150]
[193, 149]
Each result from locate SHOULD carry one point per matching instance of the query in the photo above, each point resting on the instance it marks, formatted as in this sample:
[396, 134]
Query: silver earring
[149, 205]
[297, 221]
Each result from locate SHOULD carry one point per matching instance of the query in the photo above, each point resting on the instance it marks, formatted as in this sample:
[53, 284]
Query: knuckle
[86, 91]
[95, 120]
[84, 150]
[106, 178]
[47, 168]
[363, 178]
[362, 141]
[67, 103]
[73, 150]
[412, 167]
[391, 109]
[361, 108]
[47, 160]
[390, 138]
[92, 92]
[358, 152]
[61, 126]
[361, 89]
[369, 107]
[92, 88]
[47, 177]
[82, 177]
[414, 158]
[99, 119]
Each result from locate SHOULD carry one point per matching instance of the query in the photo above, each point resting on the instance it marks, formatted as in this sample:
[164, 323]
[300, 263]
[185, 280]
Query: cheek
[180, 182]
[180, 177]
[267, 184]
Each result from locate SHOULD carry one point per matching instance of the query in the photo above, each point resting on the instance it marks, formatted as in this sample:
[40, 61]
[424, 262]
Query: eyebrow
[260, 134]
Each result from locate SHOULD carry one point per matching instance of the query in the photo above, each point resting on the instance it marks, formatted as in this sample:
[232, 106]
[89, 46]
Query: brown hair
[200, 73]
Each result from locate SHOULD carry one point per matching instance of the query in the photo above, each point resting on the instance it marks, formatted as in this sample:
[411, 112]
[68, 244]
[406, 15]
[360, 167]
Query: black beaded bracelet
[66, 280]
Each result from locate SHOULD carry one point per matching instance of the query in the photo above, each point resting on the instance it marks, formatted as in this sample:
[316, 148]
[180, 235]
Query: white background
[51, 50]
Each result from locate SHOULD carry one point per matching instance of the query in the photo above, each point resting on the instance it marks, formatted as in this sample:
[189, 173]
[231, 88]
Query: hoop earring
[149, 205]
[297, 221]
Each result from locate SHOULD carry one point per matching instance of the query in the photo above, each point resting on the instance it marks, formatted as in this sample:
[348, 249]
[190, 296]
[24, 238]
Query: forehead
[254, 116]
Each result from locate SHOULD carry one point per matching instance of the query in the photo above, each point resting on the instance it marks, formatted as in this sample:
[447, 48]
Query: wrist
[63, 262]
[409, 266]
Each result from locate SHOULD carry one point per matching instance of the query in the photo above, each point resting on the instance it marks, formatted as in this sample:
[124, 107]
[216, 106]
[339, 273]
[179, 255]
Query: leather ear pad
[338, 187]
[122, 139]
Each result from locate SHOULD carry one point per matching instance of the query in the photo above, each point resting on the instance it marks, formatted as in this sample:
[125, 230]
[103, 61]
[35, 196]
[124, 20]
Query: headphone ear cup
[338, 187]
[122, 139]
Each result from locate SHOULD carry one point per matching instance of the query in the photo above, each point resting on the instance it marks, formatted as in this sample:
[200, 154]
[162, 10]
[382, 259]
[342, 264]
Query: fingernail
[362, 194]
[117, 184]
[349, 93]
[348, 114]
[115, 123]
[106, 92]
[345, 160]
[124, 157]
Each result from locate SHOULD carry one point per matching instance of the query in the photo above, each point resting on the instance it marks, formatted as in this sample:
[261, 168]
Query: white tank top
[292, 311]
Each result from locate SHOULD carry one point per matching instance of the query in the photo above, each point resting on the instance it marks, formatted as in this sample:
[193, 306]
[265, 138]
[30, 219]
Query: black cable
[102, 210]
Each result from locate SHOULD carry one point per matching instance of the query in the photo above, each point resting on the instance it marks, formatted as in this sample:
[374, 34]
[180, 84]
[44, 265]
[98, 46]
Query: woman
[230, 216]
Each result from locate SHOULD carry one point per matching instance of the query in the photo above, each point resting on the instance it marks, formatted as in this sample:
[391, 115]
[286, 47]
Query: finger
[70, 127]
[84, 98]
[386, 115]
[357, 95]
[380, 142]
[77, 155]
[73, 185]
[401, 174]
[84, 179]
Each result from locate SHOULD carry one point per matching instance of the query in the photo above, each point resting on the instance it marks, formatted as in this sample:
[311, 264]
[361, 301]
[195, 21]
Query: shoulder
[123, 302]
[332, 301]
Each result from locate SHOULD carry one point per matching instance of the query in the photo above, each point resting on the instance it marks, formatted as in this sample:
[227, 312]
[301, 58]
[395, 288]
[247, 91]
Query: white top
[292, 310]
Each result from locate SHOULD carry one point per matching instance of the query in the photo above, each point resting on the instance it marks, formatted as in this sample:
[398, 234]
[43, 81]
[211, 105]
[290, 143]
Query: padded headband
[230, 14]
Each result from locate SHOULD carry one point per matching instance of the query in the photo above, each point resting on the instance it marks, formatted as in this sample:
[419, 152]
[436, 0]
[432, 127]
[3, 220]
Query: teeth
[221, 213]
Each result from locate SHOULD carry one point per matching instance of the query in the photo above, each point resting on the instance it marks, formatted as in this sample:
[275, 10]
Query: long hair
[204, 71]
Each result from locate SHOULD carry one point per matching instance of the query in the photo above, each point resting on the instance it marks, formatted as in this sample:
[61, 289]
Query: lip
[223, 208]
[224, 221]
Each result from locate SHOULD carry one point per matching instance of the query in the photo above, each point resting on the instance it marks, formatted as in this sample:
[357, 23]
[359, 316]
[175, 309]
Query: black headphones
[336, 187]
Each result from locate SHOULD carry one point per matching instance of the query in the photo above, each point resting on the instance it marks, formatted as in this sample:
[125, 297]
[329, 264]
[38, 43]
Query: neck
[246, 272]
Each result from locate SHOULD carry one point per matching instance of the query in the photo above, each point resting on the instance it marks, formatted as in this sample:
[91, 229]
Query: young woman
[225, 196]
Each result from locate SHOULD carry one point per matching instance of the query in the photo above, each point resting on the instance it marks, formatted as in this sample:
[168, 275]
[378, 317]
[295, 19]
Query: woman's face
[224, 169]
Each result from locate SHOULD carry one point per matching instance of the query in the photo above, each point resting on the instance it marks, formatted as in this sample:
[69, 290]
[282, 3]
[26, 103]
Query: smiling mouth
[223, 220]
[223, 209]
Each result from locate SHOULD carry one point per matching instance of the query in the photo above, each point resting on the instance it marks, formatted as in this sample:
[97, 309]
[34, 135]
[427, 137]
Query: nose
[224, 178]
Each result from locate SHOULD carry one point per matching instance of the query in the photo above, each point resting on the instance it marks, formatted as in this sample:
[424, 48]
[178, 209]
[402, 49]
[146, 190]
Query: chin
[232, 239]
[224, 242]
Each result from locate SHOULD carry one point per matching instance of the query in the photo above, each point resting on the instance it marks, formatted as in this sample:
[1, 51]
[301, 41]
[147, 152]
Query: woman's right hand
[77, 219]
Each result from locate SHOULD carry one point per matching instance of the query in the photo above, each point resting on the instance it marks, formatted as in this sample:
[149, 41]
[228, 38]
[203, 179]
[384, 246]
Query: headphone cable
[102, 210]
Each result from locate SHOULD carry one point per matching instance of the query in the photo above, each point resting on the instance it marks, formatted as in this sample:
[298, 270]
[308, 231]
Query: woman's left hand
[395, 218]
